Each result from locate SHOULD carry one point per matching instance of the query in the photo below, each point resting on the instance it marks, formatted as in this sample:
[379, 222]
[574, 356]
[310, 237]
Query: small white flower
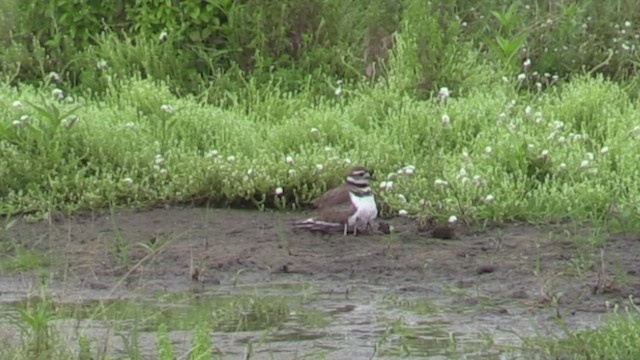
[537, 117]
[464, 24]
[24, 119]
[163, 36]
[590, 156]
[527, 63]
[488, 199]
[402, 198]
[212, 154]
[319, 167]
[69, 99]
[636, 129]
[231, 158]
[539, 85]
[102, 64]
[16, 123]
[555, 78]
[403, 212]
[338, 91]
[314, 131]
[422, 202]
[347, 161]
[17, 105]
[130, 125]
[250, 172]
[544, 154]
[54, 76]
[562, 166]
[167, 109]
[292, 172]
[163, 171]
[522, 77]
[505, 79]
[488, 150]
[69, 121]
[584, 164]
[627, 23]
[453, 219]
[465, 155]
[279, 191]
[477, 179]
[562, 139]
[289, 160]
[445, 119]
[604, 150]
[558, 125]
[443, 94]
[530, 147]
[528, 110]
[386, 185]
[440, 183]
[57, 93]
[127, 181]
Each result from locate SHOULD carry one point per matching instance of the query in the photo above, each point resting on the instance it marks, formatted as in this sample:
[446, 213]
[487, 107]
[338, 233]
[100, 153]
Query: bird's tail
[316, 225]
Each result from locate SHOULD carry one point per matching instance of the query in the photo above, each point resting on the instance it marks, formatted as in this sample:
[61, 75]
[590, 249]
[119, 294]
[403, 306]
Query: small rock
[443, 232]
[485, 269]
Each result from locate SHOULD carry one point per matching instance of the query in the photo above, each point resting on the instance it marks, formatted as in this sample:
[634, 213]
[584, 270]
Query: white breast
[366, 209]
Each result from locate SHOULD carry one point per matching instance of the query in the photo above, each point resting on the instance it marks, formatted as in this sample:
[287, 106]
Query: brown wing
[332, 197]
[337, 213]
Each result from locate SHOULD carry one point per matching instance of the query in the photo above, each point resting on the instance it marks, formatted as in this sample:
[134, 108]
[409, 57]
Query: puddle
[380, 296]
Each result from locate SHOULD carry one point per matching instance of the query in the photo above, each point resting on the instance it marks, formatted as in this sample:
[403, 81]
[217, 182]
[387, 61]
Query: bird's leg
[369, 227]
[355, 227]
[346, 226]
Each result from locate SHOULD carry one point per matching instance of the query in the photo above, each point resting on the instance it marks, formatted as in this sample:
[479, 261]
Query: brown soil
[203, 249]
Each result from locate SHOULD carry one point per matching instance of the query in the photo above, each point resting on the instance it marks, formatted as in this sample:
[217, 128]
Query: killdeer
[347, 205]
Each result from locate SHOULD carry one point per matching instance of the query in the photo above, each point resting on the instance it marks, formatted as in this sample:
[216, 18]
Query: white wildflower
[338, 91]
[159, 160]
[54, 76]
[465, 155]
[163, 36]
[17, 105]
[538, 85]
[402, 198]
[127, 181]
[279, 191]
[590, 156]
[443, 94]
[314, 131]
[289, 160]
[527, 63]
[130, 125]
[477, 180]
[584, 164]
[292, 172]
[604, 150]
[347, 161]
[555, 78]
[562, 166]
[562, 139]
[250, 172]
[453, 219]
[440, 183]
[57, 93]
[522, 77]
[445, 119]
[16, 123]
[528, 110]
[167, 109]
[24, 119]
[231, 158]
[627, 23]
[69, 121]
[386, 185]
[319, 167]
[544, 154]
[102, 64]
[403, 212]
[557, 125]
[488, 150]
[163, 171]
[488, 199]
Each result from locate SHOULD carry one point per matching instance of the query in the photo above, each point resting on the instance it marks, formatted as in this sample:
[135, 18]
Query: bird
[347, 205]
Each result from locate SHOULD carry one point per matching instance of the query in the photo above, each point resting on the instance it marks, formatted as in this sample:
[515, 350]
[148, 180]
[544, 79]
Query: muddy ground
[503, 273]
